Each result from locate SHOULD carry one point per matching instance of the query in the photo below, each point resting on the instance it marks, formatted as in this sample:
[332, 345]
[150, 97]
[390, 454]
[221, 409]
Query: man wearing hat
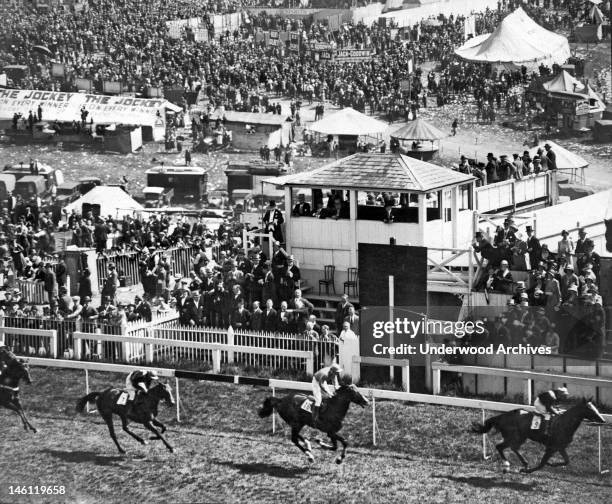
[143, 309]
[491, 168]
[325, 381]
[273, 220]
[505, 169]
[580, 247]
[551, 157]
[519, 167]
[537, 165]
[533, 248]
[111, 283]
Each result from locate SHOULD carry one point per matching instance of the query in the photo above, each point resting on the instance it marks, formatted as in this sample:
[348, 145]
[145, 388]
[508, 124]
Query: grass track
[227, 454]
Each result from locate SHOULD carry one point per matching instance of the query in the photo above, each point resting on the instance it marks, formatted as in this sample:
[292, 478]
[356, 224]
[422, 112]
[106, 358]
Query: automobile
[157, 197]
[7, 185]
[67, 192]
[86, 184]
[30, 187]
[189, 182]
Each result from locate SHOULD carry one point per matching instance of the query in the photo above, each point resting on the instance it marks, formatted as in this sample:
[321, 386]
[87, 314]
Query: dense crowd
[560, 287]
[129, 41]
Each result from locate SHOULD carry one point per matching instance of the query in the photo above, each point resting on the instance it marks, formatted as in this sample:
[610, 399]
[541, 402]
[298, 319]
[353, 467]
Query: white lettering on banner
[66, 107]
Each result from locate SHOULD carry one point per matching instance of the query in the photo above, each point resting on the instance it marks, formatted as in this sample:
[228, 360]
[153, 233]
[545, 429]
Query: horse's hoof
[338, 460]
[310, 457]
[171, 450]
[144, 442]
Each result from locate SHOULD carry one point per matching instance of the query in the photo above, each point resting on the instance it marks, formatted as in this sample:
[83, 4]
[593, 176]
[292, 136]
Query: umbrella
[42, 49]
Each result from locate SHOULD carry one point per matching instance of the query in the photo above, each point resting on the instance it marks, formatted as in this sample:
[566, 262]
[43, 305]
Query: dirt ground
[225, 453]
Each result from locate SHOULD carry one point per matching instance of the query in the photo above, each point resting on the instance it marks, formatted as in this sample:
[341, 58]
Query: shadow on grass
[79, 456]
[493, 482]
[279, 471]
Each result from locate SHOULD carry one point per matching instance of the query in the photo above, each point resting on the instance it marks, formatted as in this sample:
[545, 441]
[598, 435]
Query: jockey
[324, 381]
[139, 380]
[545, 403]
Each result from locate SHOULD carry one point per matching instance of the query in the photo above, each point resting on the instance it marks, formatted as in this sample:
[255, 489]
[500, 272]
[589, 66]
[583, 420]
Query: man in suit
[257, 317]
[50, 282]
[353, 319]
[389, 216]
[273, 220]
[302, 208]
[551, 157]
[61, 272]
[143, 309]
[301, 308]
[240, 318]
[342, 310]
[534, 248]
[270, 317]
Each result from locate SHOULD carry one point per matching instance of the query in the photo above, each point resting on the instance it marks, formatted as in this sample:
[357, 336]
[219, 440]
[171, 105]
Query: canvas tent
[106, 200]
[565, 83]
[419, 130]
[348, 122]
[518, 40]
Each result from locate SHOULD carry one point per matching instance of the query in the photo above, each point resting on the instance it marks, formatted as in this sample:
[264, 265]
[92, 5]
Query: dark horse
[16, 370]
[515, 427]
[330, 420]
[143, 411]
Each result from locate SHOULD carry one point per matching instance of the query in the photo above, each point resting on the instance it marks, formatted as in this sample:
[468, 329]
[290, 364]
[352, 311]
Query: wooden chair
[351, 283]
[328, 273]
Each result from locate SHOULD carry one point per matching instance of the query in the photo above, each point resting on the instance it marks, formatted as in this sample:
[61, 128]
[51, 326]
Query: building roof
[250, 117]
[418, 130]
[518, 39]
[348, 122]
[376, 172]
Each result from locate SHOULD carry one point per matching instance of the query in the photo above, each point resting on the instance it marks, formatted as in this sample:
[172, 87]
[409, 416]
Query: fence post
[149, 348]
[373, 419]
[76, 343]
[216, 357]
[527, 392]
[53, 344]
[178, 400]
[86, 388]
[310, 365]
[484, 438]
[273, 412]
[436, 381]
[230, 343]
[406, 378]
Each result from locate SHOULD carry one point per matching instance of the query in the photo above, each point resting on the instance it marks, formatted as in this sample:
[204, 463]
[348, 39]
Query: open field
[226, 453]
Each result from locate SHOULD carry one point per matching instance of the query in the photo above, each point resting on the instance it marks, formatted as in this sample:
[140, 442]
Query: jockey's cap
[336, 367]
[153, 375]
[562, 391]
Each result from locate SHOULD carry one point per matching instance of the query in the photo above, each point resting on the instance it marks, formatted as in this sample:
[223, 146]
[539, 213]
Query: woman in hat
[565, 246]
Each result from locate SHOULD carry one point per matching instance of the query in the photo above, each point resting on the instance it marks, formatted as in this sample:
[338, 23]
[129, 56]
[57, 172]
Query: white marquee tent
[519, 40]
[113, 201]
[348, 122]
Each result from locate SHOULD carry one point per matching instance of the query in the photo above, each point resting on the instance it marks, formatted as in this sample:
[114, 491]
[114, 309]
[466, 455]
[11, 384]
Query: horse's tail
[483, 428]
[80, 405]
[268, 406]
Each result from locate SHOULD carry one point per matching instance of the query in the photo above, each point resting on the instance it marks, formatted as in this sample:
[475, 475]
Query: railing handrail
[524, 374]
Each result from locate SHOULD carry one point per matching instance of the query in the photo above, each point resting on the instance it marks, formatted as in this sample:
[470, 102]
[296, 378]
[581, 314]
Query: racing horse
[295, 410]
[143, 411]
[15, 371]
[516, 427]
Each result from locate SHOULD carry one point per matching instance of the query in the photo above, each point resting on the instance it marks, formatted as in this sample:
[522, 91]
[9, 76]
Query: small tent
[348, 122]
[104, 201]
[566, 160]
